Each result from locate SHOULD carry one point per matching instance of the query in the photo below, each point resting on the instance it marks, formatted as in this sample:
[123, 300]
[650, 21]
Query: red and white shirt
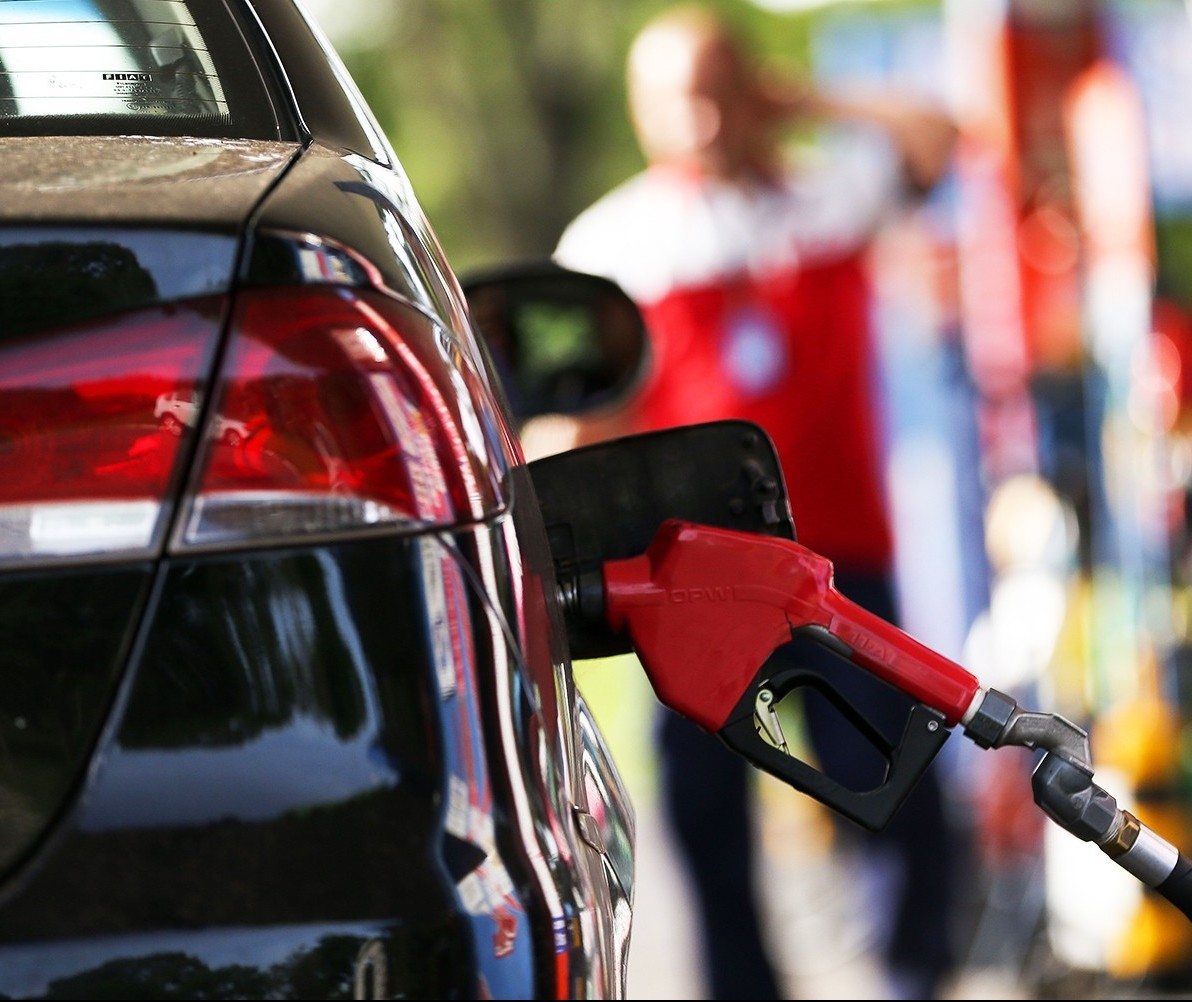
[758, 306]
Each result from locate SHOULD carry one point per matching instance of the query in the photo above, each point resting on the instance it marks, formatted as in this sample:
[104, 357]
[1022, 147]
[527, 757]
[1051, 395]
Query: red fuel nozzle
[705, 607]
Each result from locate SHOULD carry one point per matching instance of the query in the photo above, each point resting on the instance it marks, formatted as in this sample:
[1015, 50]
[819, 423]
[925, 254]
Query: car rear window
[145, 67]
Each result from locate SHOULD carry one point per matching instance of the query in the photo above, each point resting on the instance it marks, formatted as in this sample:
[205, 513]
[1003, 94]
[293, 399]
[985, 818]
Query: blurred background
[1036, 343]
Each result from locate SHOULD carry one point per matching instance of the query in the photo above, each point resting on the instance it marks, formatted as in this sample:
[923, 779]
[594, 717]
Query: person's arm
[923, 134]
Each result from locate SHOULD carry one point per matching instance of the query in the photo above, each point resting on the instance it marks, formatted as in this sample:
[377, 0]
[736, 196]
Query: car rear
[287, 711]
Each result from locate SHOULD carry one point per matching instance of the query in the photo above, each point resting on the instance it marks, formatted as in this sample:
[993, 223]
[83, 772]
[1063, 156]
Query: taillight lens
[338, 410]
[86, 456]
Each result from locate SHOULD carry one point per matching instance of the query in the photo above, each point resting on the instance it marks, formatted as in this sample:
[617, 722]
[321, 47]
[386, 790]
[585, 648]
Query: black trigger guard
[922, 738]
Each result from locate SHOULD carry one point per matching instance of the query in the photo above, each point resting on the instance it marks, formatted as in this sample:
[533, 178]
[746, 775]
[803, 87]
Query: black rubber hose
[1177, 888]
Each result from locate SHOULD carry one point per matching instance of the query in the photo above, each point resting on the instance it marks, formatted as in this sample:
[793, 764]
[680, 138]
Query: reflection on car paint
[370, 976]
[299, 763]
[537, 804]
[177, 176]
[486, 890]
[312, 751]
[131, 269]
[411, 241]
[278, 962]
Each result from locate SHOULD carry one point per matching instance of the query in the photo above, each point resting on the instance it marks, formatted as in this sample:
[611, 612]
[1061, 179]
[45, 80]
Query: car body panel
[287, 788]
[273, 790]
[206, 184]
[360, 206]
[92, 226]
[344, 767]
[326, 101]
[65, 645]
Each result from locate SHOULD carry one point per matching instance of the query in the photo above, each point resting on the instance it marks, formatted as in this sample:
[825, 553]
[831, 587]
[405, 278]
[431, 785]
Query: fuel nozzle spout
[1063, 789]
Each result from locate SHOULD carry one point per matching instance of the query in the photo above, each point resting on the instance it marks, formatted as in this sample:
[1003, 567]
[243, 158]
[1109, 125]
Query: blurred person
[750, 270]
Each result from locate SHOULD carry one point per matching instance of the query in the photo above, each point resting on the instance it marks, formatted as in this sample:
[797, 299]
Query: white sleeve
[628, 235]
[589, 243]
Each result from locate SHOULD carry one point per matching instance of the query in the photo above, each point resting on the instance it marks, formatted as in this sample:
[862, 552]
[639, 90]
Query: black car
[286, 706]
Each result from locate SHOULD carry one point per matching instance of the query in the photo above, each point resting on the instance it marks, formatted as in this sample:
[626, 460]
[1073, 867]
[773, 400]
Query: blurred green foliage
[509, 115]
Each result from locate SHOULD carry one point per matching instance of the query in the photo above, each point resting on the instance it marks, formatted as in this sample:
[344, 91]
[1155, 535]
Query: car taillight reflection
[349, 413]
[85, 466]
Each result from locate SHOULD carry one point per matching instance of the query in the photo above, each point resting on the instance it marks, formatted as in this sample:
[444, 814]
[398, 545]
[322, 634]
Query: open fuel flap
[607, 502]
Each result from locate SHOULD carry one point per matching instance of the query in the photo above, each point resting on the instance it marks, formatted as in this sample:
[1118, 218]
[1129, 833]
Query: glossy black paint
[356, 211]
[325, 102]
[324, 961]
[56, 277]
[65, 641]
[356, 219]
[277, 761]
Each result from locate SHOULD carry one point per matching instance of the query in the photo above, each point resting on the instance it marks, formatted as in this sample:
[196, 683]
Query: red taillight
[86, 457]
[337, 410]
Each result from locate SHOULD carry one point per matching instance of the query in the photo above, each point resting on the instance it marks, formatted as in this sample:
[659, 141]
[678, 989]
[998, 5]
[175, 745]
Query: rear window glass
[145, 67]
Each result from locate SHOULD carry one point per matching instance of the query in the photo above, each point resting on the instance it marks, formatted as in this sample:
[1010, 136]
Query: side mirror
[562, 342]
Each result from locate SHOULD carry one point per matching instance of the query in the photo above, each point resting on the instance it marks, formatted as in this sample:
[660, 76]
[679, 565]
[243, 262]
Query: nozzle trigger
[753, 730]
